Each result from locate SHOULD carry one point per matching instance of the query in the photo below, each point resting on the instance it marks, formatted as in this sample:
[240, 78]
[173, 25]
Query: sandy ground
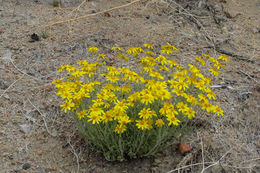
[35, 136]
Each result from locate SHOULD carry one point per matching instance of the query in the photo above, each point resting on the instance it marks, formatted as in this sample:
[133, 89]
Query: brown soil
[35, 136]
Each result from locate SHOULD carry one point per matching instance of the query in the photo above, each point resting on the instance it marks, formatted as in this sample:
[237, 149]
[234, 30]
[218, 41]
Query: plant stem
[141, 141]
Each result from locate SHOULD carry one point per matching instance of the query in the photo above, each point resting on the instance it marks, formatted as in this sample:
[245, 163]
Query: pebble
[256, 30]
[25, 128]
[3, 85]
[26, 166]
[1, 5]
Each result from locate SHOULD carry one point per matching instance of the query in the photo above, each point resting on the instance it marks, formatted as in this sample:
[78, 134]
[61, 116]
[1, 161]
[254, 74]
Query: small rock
[183, 148]
[256, 30]
[25, 128]
[48, 88]
[6, 96]
[1, 5]
[26, 166]
[34, 37]
[47, 170]
[3, 85]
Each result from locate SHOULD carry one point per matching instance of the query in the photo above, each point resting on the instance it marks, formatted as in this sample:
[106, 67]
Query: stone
[25, 128]
[26, 166]
[183, 148]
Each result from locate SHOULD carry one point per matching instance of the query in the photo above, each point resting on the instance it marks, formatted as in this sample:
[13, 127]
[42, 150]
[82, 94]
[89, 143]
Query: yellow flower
[149, 46]
[131, 75]
[124, 120]
[146, 113]
[134, 51]
[167, 51]
[117, 114]
[112, 70]
[113, 79]
[210, 93]
[169, 47]
[189, 112]
[93, 49]
[97, 103]
[214, 71]
[156, 75]
[218, 65]
[142, 124]
[117, 48]
[223, 58]
[159, 123]
[94, 118]
[179, 92]
[207, 106]
[199, 59]
[78, 73]
[164, 68]
[191, 99]
[172, 63]
[167, 107]
[173, 120]
[121, 106]
[147, 97]
[202, 98]
[182, 107]
[107, 116]
[164, 94]
[182, 85]
[148, 69]
[162, 59]
[81, 114]
[120, 128]
[102, 56]
[149, 53]
[218, 110]
[125, 89]
[181, 75]
[122, 56]
[67, 105]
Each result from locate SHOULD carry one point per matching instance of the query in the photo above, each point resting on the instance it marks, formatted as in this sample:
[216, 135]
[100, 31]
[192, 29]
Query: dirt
[35, 136]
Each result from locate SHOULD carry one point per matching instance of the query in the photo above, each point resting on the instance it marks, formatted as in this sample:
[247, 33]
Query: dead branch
[92, 15]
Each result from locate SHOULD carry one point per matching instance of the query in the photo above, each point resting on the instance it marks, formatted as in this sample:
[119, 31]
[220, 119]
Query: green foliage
[44, 34]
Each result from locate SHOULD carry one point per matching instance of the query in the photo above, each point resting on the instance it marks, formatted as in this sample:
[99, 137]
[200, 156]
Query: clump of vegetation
[44, 34]
[131, 112]
[55, 3]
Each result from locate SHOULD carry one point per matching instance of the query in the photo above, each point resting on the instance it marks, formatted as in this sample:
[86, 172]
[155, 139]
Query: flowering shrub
[128, 112]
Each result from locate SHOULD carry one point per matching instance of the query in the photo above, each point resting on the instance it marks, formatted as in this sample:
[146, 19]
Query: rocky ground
[35, 136]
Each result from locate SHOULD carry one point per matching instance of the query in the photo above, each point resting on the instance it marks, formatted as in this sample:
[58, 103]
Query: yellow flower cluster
[160, 94]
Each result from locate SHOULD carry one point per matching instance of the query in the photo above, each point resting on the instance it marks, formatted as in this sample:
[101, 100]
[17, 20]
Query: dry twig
[94, 14]
[43, 117]
[11, 85]
[74, 152]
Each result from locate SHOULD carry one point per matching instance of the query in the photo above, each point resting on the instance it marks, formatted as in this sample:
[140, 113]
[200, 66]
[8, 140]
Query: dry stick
[198, 22]
[217, 162]
[43, 117]
[77, 8]
[11, 85]
[74, 152]
[187, 166]
[22, 71]
[248, 76]
[94, 14]
[202, 154]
